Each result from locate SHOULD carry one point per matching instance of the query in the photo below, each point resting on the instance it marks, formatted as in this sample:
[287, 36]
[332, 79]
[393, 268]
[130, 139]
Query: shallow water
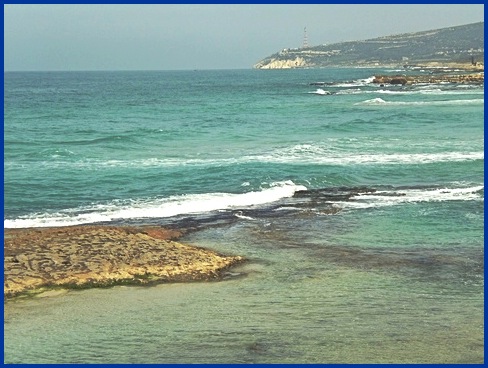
[296, 300]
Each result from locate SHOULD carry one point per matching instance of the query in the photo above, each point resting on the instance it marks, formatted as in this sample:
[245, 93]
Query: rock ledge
[473, 78]
[40, 259]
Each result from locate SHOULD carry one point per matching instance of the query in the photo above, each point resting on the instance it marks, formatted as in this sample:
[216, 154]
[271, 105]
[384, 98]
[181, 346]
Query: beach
[41, 260]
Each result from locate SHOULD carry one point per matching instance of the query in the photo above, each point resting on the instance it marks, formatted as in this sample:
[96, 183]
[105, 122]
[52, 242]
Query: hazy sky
[171, 37]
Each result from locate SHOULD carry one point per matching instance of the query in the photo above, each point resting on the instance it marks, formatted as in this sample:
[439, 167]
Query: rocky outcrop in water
[36, 260]
[474, 78]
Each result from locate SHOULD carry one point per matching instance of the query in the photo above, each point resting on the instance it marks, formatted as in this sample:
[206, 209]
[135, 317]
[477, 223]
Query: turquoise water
[361, 213]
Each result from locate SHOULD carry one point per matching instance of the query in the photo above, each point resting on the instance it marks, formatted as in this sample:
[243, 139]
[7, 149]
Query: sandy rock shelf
[99, 256]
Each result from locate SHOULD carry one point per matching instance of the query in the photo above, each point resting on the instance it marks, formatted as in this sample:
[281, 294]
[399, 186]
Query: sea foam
[398, 197]
[322, 154]
[380, 102]
[158, 208]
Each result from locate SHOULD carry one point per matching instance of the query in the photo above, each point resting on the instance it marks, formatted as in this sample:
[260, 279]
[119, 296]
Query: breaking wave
[398, 197]
[322, 154]
[380, 102]
[157, 208]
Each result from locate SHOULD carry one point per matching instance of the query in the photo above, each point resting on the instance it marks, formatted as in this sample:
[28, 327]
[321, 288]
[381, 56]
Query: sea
[359, 209]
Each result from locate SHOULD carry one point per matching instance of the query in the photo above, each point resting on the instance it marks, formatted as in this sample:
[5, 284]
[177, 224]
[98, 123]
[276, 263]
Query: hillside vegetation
[460, 44]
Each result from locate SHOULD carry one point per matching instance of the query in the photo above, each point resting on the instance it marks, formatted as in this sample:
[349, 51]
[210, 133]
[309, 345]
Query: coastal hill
[461, 44]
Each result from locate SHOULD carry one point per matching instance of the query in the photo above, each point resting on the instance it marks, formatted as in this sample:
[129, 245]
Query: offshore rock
[471, 78]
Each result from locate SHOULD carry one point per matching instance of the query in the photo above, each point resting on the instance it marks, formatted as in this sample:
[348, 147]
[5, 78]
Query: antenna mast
[305, 39]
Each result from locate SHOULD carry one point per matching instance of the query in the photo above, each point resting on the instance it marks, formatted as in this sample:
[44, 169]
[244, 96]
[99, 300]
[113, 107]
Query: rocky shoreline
[40, 260]
[470, 78]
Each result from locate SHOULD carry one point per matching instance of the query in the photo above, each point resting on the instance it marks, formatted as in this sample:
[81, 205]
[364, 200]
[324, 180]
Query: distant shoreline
[432, 65]
[49, 260]
[448, 65]
[429, 65]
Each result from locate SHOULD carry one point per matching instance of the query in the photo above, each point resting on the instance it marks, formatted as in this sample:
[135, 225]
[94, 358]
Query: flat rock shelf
[43, 260]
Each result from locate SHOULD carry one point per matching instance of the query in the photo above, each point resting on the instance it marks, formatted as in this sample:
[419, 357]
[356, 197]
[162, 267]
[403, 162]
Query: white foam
[422, 90]
[438, 91]
[374, 101]
[320, 91]
[393, 198]
[381, 102]
[158, 208]
[352, 91]
[244, 217]
[434, 91]
[357, 83]
[325, 153]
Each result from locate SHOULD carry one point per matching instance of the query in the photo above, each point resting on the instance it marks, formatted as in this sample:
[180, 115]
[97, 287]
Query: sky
[41, 37]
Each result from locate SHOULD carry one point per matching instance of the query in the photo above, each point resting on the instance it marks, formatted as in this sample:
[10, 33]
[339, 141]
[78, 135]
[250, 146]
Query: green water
[299, 302]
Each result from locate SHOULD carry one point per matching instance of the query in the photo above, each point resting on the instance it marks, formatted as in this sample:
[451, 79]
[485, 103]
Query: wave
[157, 208]
[433, 91]
[353, 83]
[280, 196]
[96, 141]
[380, 102]
[356, 83]
[320, 91]
[55, 153]
[398, 197]
[317, 154]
